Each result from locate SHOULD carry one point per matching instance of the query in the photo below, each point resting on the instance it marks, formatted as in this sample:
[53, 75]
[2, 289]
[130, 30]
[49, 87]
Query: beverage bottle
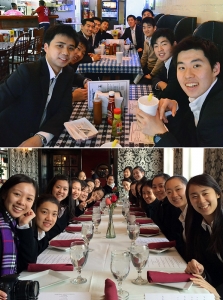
[97, 110]
[111, 107]
[117, 123]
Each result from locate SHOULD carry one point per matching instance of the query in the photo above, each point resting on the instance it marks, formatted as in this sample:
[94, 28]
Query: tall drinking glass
[87, 232]
[96, 219]
[139, 257]
[133, 232]
[120, 266]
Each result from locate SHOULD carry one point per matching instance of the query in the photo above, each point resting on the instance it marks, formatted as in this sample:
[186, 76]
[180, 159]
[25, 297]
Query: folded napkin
[144, 221]
[54, 267]
[161, 245]
[110, 290]
[148, 231]
[138, 213]
[161, 277]
[88, 213]
[73, 228]
[64, 243]
[82, 219]
[135, 208]
[97, 203]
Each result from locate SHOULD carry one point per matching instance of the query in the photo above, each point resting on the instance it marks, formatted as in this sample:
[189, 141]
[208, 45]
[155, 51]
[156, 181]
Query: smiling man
[202, 123]
[35, 101]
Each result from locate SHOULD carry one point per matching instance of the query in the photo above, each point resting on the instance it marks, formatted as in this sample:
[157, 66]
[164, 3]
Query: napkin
[110, 290]
[144, 221]
[160, 245]
[88, 213]
[54, 267]
[149, 231]
[135, 208]
[73, 228]
[82, 219]
[63, 243]
[138, 213]
[161, 277]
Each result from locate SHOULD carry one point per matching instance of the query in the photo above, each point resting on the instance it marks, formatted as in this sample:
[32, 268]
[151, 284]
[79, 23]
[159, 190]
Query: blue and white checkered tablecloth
[107, 65]
[80, 110]
[6, 45]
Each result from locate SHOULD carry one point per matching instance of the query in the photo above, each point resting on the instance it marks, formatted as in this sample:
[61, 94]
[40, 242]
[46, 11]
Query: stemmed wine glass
[78, 256]
[120, 266]
[96, 219]
[133, 232]
[126, 47]
[87, 232]
[102, 206]
[139, 256]
[125, 209]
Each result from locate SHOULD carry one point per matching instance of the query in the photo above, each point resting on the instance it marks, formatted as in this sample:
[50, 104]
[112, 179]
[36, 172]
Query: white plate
[60, 248]
[177, 285]
[148, 235]
[74, 129]
[109, 145]
[46, 278]
[158, 250]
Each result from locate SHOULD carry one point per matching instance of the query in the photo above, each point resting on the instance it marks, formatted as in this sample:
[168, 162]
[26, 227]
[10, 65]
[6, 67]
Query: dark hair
[97, 19]
[139, 19]
[62, 29]
[84, 21]
[138, 196]
[78, 173]
[149, 20]
[163, 175]
[47, 198]
[13, 5]
[180, 177]
[140, 169]
[197, 43]
[128, 168]
[109, 176]
[105, 20]
[131, 16]
[163, 32]
[89, 179]
[143, 202]
[75, 179]
[99, 189]
[12, 181]
[149, 10]
[194, 220]
[132, 198]
[84, 42]
[127, 179]
[83, 184]
[41, 3]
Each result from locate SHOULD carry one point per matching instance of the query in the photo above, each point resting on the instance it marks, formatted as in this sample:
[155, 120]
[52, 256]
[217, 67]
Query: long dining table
[97, 267]
[104, 135]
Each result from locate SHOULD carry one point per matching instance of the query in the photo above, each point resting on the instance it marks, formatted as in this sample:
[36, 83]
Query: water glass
[133, 231]
[139, 257]
[87, 232]
[96, 219]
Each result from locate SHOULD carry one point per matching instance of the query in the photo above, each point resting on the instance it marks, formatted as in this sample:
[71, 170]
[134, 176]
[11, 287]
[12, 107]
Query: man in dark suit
[95, 37]
[102, 33]
[202, 124]
[134, 33]
[35, 101]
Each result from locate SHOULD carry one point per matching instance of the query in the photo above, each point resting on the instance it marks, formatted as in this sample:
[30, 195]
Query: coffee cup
[119, 56]
[97, 50]
[148, 106]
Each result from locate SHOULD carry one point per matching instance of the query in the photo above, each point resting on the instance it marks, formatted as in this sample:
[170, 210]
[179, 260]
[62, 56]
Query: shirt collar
[41, 235]
[182, 216]
[206, 226]
[133, 29]
[51, 71]
[87, 37]
[167, 64]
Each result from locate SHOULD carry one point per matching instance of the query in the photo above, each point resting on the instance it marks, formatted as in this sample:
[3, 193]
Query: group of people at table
[176, 72]
[187, 212]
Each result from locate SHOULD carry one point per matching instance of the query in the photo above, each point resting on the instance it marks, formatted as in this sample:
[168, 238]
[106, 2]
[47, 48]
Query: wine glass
[102, 206]
[125, 212]
[78, 256]
[126, 47]
[96, 218]
[120, 266]
[87, 232]
[139, 256]
[133, 232]
[96, 210]
[131, 219]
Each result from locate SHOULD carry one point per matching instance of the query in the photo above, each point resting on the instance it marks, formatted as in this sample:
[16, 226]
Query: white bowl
[149, 107]
[97, 50]
[109, 145]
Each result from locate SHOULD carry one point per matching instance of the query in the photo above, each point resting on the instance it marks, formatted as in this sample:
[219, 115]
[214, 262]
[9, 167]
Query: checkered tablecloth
[106, 65]
[80, 110]
[6, 45]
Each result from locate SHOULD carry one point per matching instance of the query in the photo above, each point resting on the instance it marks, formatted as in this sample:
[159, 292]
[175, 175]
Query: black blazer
[22, 102]
[103, 35]
[209, 130]
[138, 34]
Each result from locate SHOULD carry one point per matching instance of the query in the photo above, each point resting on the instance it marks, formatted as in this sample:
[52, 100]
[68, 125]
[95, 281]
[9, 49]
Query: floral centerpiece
[115, 33]
[111, 202]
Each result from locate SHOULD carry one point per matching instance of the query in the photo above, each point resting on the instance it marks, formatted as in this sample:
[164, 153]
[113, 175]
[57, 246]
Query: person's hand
[199, 280]
[161, 85]
[26, 218]
[150, 125]
[194, 267]
[140, 50]
[82, 205]
[96, 57]
[167, 105]
[34, 141]
[3, 295]
[148, 76]
[79, 95]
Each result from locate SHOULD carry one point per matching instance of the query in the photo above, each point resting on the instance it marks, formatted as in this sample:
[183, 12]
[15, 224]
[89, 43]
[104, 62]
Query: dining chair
[4, 63]
[20, 51]
[36, 44]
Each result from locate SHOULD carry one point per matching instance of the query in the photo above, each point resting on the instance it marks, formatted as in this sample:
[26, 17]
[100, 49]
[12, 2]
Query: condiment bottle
[107, 48]
[117, 123]
[111, 107]
[97, 110]
[110, 49]
[114, 48]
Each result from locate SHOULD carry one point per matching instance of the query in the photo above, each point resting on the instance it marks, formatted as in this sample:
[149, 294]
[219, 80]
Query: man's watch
[43, 139]
[157, 137]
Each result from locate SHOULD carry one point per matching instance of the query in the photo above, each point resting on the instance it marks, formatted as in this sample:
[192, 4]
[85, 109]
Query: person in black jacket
[108, 188]
[102, 33]
[149, 202]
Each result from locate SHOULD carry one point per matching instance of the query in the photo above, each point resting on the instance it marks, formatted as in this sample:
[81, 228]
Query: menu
[170, 296]
[65, 296]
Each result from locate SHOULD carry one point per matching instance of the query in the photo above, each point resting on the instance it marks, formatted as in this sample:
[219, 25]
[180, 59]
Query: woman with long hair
[204, 231]
[127, 173]
[138, 173]
[132, 194]
[149, 203]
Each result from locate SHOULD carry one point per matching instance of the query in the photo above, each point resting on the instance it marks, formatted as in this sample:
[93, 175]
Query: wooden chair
[20, 51]
[36, 46]
[4, 64]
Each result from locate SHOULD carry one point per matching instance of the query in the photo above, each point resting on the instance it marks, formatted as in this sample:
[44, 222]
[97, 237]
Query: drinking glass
[139, 257]
[96, 218]
[133, 232]
[78, 256]
[96, 210]
[125, 210]
[126, 47]
[131, 219]
[120, 266]
[102, 206]
[87, 233]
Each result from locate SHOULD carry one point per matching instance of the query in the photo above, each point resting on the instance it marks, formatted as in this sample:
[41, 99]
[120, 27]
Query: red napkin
[110, 290]
[149, 231]
[138, 213]
[54, 267]
[88, 213]
[97, 203]
[73, 228]
[82, 219]
[161, 277]
[160, 245]
[144, 221]
[134, 208]
[63, 243]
